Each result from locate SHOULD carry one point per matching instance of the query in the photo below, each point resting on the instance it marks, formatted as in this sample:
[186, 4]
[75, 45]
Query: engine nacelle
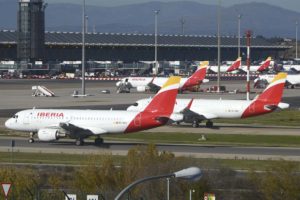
[177, 117]
[141, 88]
[48, 134]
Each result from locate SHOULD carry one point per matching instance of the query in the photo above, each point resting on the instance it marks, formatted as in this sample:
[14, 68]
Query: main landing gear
[98, 141]
[195, 124]
[31, 140]
[209, 124]
[79, 142]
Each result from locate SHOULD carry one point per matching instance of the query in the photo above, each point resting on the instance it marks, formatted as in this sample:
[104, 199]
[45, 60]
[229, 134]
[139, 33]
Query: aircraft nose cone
[8, 123]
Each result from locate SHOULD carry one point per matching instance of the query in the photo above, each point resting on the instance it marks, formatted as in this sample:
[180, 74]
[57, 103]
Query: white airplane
[292, 80]
[154, 83]
[225, 68]
[292, 65]
[196, 110]
[258, 68]
[52, 124]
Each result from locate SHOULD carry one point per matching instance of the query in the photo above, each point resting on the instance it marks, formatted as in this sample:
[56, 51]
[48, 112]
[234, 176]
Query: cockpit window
[15, 116]
[135, 104]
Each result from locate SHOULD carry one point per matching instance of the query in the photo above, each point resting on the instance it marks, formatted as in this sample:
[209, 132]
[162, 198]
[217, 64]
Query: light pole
[86, 23]
[296, 39]
[219, 44]
[191, 192]
[83, 49]
[155, 42]
[168, 188]
[191, 173]
[239, 35]
[182, 21]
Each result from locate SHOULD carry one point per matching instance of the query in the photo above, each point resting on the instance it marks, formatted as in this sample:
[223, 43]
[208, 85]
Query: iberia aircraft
[224, 68]
[292, 80]
[196, 110]
[52, 124]
[154, 83]
[258, 68]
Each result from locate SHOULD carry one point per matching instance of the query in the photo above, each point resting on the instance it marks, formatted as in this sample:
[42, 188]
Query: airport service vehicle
[292, 80]
[52, 124]
[196, 110]
[225, 68]
[258, 68]
[143, 84]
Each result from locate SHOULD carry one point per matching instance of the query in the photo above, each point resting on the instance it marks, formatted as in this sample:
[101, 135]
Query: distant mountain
[262, 19]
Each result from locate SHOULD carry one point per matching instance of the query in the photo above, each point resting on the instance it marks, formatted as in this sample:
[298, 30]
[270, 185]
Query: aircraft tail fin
[163, 102]
[200, 73]
[235, 65]
[273, 92]
[265, 65]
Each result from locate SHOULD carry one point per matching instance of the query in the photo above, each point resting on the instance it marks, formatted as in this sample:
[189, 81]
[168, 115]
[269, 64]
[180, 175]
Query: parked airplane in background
[225, 68]
[52, 124]
[196, 110]
[258, 68]
[291, 65]
[292, 80]
[154, 83]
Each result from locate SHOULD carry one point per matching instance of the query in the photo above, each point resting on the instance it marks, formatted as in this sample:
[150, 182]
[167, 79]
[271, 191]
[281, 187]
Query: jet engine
[141, 88]
[48, 134]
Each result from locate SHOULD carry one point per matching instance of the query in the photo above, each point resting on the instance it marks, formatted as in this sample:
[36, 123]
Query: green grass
[49, 158]
[287, 117]
[74, 160]
[211, 139]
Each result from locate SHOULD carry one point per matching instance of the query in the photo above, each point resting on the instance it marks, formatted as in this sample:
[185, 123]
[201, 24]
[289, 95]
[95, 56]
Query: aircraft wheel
[79, 142]
[195, 124]
[209, 124]
[177, 123]
[98, 141]
[31, 140]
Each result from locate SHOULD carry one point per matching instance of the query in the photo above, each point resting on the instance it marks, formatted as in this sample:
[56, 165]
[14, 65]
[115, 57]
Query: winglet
[190, 104]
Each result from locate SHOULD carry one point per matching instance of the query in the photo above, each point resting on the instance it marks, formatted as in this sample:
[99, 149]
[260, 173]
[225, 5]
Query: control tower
[31, 31]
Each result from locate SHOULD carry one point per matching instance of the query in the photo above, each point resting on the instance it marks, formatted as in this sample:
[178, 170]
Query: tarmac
[16, 94]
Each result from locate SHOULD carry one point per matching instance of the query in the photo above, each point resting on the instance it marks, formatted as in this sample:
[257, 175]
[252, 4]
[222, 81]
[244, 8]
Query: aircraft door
[137, 120]
[27, 118]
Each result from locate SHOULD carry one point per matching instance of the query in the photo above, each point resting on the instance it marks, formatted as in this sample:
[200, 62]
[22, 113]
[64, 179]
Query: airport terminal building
[66, 46]
[31, 47]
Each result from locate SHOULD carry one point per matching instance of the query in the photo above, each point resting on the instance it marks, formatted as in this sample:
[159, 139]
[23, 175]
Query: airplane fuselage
[99, 122]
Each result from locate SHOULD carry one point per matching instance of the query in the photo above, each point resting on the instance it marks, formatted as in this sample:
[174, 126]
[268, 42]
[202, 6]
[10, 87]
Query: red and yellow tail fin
[235, 65]
[273, 93]
[200, 73]
[265, 65]
[163, 102]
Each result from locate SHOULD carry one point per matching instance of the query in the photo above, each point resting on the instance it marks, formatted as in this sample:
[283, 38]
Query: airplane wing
[189, 114]
[153, 87]
[78, 131]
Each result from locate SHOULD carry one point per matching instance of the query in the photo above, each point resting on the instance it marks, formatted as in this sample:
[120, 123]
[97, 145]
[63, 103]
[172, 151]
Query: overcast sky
[288, 4]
